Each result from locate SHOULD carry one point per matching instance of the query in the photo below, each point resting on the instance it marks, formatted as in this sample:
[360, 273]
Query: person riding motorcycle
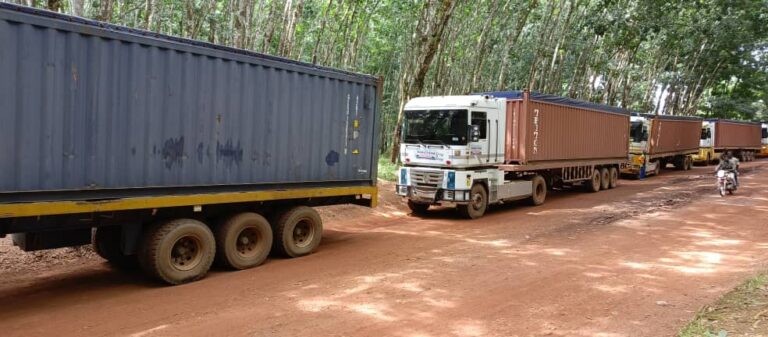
[729, 164]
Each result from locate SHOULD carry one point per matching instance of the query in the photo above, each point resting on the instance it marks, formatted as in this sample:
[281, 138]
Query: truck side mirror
[474, 133]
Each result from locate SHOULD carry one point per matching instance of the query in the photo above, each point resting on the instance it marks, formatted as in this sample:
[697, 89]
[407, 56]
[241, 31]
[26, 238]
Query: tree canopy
[687, 57]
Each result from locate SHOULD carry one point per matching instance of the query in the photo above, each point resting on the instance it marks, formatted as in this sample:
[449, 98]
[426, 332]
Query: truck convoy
[658, 140]
[472, 151]
[742, 139]
[172, 153]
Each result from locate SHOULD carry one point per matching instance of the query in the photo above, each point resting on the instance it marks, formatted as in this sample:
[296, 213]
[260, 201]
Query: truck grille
[426, 178]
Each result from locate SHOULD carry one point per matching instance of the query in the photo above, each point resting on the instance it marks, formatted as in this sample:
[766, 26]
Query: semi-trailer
[171, 153]
[658, 140]
[475, 150]
[742, 139]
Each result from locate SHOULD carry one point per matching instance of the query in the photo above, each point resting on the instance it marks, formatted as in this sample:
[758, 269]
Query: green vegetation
[706, 57]
[743, 311]
[387, 170]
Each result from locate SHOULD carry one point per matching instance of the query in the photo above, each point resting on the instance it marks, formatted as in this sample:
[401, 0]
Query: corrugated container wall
[736, 134]
[86, 108]
[541, 131]
[674, 135]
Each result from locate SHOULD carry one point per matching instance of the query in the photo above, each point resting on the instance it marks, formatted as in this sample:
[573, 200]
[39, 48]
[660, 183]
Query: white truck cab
[450, 143]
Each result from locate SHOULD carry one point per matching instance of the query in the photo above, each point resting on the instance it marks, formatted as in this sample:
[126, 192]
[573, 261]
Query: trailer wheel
[594, 184]
[614, 177]
[106, 243]
[243, 241]
[417, 208]
[478, 203]
[688, 163]
[297, 231]
[177, 251]
[539, 191]
[605, 179]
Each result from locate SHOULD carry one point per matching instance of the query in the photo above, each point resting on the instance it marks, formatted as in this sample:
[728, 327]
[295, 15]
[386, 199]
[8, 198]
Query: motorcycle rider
[735, 164]
[727, 165]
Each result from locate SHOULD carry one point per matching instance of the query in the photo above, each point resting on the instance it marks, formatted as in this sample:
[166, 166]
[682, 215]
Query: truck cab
[764, 141]
[707, 144]
[449, 146]
[639, 130]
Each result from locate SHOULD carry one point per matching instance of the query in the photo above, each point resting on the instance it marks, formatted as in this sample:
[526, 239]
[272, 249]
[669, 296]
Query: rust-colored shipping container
[674, 134]
[730, 134]
[547, 129]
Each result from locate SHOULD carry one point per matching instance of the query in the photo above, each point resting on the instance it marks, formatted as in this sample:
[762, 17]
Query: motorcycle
[726, 182]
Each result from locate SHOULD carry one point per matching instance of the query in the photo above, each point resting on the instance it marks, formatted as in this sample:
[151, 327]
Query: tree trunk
[77, 7]
[510, 43]
[321, 31]
[150, 10]
[435, 30]
[242, 23]
[105, 10]
[53, 5]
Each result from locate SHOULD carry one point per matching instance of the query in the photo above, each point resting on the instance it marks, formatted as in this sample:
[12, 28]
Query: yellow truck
[718, 136]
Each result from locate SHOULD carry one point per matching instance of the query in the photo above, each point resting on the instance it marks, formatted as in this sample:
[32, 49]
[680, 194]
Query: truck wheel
[614, 177]
[297, 231]
[605, 179]
[417, 208]
[688, 163]
[106, 243]
[243, 241]
[177, 251]
[657, 170]
[539, 191]
[478, 203]
[594, 184]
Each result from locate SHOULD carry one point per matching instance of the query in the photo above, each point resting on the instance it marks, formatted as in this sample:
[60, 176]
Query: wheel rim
[247, 242]
[303, 233]
[596, 180]
[186, 253]
[477, 201]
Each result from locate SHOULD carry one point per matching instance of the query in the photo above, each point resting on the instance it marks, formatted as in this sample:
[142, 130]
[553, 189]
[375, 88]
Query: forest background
[689, 57]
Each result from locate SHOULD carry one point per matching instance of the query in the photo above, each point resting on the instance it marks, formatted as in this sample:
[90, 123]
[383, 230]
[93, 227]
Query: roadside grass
[741, 312]
[387, 170]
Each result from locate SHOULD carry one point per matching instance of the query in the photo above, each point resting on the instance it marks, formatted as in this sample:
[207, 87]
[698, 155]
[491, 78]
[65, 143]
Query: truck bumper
[434, 197]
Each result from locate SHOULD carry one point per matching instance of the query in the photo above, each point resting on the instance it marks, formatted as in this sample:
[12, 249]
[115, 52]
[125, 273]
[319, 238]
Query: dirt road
[635, 261]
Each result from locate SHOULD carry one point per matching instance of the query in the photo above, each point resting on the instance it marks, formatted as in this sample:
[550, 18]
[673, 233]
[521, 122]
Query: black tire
[297, 231]
[478, 203]
[657, 170]
[243, 241]
[688, 163]
[605, 179]
[417, 208]
[614, 177]
[106, 243]
[177, 251]
[593, 185]
[539, 191]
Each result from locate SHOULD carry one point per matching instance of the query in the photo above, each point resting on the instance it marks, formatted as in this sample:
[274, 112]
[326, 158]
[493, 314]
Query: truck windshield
[636, 132]
[445, 127]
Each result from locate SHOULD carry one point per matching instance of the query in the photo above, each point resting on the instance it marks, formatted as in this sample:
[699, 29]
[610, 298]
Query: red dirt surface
[635, 261]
